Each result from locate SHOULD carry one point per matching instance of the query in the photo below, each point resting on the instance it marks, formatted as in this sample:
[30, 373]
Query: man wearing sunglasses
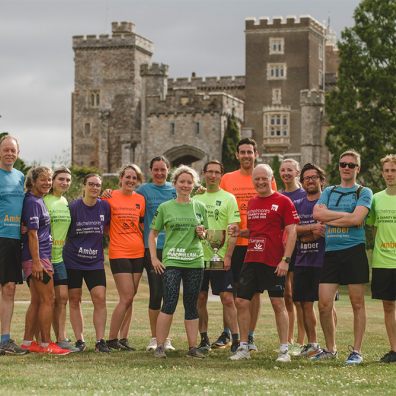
[344, 208]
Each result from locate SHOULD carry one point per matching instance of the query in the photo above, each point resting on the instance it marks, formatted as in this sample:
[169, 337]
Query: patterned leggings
[192, 279]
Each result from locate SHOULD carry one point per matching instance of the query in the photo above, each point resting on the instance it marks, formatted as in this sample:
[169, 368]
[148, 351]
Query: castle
[126, 109]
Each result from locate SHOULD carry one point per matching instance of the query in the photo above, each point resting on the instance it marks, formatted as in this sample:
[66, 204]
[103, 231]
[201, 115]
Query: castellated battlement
[122, 27]
[155, 69]
[223, 82]
[312, 97]
[191, 101]
[291, 22]
[123, 37]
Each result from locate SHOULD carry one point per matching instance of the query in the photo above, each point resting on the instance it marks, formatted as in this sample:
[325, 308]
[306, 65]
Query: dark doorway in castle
[185, 160]
[184, 154]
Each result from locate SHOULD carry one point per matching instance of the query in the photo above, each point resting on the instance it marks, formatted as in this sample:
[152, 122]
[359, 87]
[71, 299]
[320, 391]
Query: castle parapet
[154, 69]
[123, 36]
[223, 82]
[305, 21]
[312, 97]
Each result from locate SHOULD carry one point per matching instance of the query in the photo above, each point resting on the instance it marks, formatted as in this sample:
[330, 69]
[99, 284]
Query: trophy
[215, 239]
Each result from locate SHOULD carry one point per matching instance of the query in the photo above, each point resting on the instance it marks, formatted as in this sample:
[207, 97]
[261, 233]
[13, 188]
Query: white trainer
[152, 346]
[241, 353]
[168, 345]
[283, 357]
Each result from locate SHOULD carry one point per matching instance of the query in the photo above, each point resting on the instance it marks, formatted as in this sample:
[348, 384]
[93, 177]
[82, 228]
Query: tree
[362, 108]
[230, 141]
[275, 165]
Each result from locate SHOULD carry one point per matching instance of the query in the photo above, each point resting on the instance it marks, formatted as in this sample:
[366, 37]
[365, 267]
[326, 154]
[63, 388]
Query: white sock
[284, 348]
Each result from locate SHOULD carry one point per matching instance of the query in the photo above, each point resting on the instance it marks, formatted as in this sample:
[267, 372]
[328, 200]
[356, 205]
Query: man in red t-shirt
[271, 217]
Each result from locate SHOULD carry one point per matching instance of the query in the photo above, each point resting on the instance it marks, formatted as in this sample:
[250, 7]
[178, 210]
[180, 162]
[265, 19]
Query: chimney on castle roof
[122, 27]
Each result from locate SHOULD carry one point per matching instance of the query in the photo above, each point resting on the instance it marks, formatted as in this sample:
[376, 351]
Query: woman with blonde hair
[184, 221]
[36, 263]
[126, 249]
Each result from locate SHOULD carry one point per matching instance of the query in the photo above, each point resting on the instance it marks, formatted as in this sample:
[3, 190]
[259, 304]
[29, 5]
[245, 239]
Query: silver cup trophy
[216, 240]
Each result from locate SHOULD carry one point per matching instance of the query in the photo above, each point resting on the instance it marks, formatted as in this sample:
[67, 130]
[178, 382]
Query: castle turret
[155, 77]
[312, 103]
[106, 123]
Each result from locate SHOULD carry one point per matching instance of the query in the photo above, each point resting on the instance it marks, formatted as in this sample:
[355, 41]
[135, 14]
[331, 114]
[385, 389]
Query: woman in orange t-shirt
[126, 249]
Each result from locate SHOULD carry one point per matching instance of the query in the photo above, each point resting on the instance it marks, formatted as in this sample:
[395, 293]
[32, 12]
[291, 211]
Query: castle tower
[283, 57]
[107, 96]
[312, 103]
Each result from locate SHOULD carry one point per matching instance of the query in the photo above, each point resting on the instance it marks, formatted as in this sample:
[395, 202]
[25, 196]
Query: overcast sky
[201, 36]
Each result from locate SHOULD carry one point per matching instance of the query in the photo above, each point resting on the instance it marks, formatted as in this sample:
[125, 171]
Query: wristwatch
[286, 259]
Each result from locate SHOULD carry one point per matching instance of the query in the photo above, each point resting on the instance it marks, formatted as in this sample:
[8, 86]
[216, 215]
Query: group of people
[299, 244]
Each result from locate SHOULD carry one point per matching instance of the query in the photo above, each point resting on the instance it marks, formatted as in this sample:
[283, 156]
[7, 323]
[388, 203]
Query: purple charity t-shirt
[35, 216]
[296, 194]
[309, 254]
[83, 249]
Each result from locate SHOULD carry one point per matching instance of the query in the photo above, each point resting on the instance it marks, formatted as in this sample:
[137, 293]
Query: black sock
[204, 336]
[235, 337]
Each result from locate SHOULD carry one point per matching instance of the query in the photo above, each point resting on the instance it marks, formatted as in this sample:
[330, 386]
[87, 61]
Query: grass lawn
[139, 373]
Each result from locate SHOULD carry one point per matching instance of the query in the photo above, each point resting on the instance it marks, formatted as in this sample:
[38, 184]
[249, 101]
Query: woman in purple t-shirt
[36, 262]
[289, 171]
[84, 259]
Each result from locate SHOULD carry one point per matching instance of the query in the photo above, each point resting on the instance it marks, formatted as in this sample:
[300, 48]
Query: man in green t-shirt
[222, 209]
[383, 284]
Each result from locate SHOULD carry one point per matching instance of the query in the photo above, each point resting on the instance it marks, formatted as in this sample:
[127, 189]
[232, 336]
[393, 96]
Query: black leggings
[192, 279]
[154, 281]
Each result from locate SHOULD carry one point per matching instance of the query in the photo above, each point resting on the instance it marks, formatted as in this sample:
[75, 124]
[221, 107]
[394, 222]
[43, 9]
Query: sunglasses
[350, 165]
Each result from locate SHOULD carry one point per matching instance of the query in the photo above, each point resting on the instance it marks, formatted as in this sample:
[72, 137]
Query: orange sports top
[241, 186]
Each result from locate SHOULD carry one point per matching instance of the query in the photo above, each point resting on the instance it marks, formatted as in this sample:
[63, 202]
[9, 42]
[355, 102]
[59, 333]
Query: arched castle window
[197, 127]
[94, 99]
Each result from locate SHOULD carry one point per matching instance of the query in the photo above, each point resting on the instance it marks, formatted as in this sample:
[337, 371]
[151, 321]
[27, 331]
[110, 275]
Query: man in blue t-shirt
[11, 200]
[344, 209]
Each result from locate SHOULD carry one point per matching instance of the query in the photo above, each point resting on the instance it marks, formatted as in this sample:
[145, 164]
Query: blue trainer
[354, 358]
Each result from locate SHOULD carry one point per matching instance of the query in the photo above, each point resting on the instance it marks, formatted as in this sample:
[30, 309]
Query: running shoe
[159, 352]
[222, 342]
[234, 346]
[324, 354]
[241, 353]
[389, 357]
[283, 357]
[66, 344]
[251, 345]
[309, 350]
[33, 347]
[114, 345]
[152, 345]
[354, 358]
[295, 349]
[125, 344]
[53, 349]
[168, 345]
[80, 345]
[204, 345]
[195, 353]
[102, 347]
[10, 348]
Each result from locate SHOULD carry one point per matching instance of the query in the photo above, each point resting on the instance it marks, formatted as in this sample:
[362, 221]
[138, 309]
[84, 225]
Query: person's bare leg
[164, 322]
[289, 306]
[281, 318]
[327, 292]
[356, 296]
[203, 311]
[300, 324]
[7, 306]
[59, 319]
[98, 296]
[76, 317]
[309, 319]
[254, 311]
[390, 322]
[125, 288]
[191, 327]
[243, 314]
[31, 317]
[229, 311]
